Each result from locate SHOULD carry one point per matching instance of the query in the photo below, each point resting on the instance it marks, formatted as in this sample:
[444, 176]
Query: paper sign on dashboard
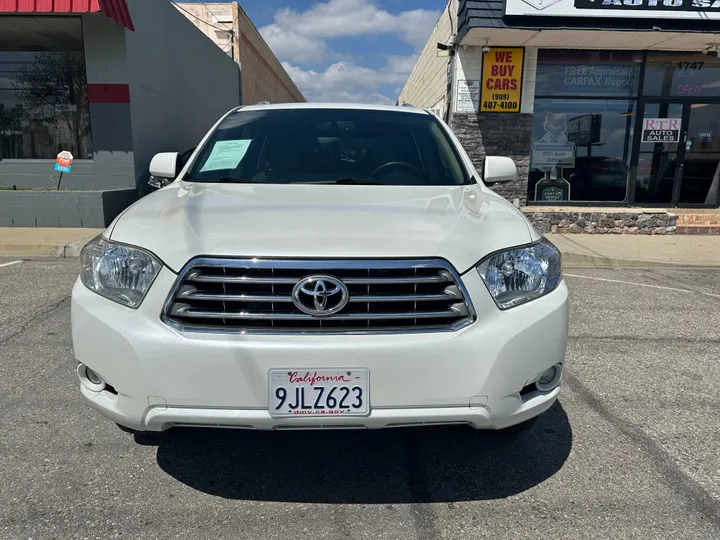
[226, 155]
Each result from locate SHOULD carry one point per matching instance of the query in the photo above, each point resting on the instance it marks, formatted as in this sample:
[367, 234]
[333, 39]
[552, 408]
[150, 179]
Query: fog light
[550, 379]
[92, 376]
[90, 379]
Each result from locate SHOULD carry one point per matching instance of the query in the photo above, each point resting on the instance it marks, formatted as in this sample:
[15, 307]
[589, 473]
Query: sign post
[63, 163]
[502, 80]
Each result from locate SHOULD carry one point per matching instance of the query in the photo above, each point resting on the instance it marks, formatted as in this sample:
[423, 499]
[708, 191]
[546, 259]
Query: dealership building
[112, 82]
[603, 103]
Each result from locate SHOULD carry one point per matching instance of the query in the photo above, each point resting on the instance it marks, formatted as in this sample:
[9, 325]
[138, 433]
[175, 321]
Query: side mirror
[499, 170]
[165, 165]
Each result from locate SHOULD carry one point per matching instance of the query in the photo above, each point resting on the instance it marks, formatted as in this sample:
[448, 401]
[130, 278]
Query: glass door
[659, 162]
[701, 167]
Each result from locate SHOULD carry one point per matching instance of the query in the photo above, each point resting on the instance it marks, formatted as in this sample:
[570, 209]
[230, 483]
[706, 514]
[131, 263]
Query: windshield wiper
[220, 180]
[347, 180]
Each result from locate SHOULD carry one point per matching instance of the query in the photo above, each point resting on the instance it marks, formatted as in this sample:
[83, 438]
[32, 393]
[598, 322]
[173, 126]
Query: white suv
[321, 266]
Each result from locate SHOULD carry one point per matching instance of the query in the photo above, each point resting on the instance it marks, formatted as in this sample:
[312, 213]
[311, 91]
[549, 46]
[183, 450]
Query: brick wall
[491, 134]
[263, 76]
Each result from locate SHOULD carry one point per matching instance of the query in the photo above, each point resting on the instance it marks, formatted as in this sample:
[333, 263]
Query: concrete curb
[57, 251]
[577, 260]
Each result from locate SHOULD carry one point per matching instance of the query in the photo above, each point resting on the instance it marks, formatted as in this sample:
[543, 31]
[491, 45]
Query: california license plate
[325, 392]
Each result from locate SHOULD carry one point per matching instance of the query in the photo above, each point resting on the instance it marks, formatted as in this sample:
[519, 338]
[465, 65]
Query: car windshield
[329, 146]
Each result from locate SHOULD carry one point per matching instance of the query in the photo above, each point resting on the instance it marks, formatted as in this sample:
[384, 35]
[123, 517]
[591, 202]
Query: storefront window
[43, 88]
[583, 125]
[688, 75]
[587, 73]
[633, 127]
[581, 150]
[701, 170]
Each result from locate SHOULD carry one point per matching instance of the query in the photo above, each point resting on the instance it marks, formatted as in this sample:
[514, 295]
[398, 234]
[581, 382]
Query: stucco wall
[263, 76]
[207, 17]
[427, 85]
[180, 82]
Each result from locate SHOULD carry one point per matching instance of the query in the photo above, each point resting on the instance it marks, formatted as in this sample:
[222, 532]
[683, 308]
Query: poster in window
[554, 149]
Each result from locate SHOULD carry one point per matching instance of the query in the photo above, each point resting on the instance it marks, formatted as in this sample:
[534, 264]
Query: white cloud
[292, 46]
[299, 37]
[345, 81]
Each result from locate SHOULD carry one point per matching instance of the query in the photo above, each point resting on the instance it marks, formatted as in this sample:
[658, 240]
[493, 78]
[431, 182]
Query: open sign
[64, 159]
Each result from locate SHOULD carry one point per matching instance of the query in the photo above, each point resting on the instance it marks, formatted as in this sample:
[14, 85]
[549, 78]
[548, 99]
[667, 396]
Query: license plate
[324, 392]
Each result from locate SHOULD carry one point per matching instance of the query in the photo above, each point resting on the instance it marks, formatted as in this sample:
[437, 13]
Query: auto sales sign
[661, 129]
[654, 9]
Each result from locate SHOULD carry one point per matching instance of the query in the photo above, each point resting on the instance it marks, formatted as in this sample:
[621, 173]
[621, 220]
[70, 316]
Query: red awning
[117, 10]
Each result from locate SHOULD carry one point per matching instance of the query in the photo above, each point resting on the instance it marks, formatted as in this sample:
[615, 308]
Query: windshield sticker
[226, 155]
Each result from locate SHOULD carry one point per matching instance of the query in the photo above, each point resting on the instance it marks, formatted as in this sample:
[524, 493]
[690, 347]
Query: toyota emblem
[320, 296]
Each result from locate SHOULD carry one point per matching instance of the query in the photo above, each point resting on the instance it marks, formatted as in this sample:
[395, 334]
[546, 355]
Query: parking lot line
[642, 285]
[10, 263]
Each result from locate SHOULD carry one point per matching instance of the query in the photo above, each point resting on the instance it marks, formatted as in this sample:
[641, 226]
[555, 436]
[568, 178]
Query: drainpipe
[450, 87]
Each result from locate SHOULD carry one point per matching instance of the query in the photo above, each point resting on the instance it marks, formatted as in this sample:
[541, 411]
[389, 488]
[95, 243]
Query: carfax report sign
[654, 9]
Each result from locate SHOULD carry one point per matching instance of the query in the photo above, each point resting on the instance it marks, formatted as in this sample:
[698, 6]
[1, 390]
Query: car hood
[459, 223]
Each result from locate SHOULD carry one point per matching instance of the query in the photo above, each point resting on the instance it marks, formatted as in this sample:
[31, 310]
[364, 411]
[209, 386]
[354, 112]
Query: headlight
[120, 273]
[518, 275]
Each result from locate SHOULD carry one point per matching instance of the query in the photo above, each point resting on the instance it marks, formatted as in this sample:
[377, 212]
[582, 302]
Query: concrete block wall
[93, 209]
[469, 65]
[427, 85]
[110, 120]
[528, 83]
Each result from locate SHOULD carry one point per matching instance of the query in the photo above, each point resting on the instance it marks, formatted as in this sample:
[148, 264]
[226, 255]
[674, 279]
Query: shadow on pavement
[411, 465]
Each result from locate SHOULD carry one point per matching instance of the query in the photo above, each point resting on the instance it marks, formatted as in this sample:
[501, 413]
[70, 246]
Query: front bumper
[163, 377]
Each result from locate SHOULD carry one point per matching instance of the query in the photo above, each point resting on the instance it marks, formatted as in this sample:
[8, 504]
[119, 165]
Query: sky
[346, 50]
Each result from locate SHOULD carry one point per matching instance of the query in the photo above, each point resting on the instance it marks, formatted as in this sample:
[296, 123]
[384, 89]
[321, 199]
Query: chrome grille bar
[255, 296]
[188, 312]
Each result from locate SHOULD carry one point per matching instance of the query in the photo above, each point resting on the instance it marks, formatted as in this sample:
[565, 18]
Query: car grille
[255, 295]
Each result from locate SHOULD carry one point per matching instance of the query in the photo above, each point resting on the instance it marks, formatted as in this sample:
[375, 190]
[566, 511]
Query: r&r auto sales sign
[659, 9]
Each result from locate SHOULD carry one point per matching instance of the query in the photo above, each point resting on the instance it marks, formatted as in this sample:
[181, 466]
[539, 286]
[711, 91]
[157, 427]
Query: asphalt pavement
[629, 451]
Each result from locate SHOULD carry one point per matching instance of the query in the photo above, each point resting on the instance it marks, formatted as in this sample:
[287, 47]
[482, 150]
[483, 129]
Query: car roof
[347, 106]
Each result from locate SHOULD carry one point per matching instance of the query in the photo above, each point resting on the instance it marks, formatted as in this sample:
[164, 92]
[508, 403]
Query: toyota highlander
[321, 266]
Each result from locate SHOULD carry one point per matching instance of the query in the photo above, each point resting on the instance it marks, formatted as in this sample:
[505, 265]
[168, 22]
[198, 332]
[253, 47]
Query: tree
[10, 121]
[53, 89]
